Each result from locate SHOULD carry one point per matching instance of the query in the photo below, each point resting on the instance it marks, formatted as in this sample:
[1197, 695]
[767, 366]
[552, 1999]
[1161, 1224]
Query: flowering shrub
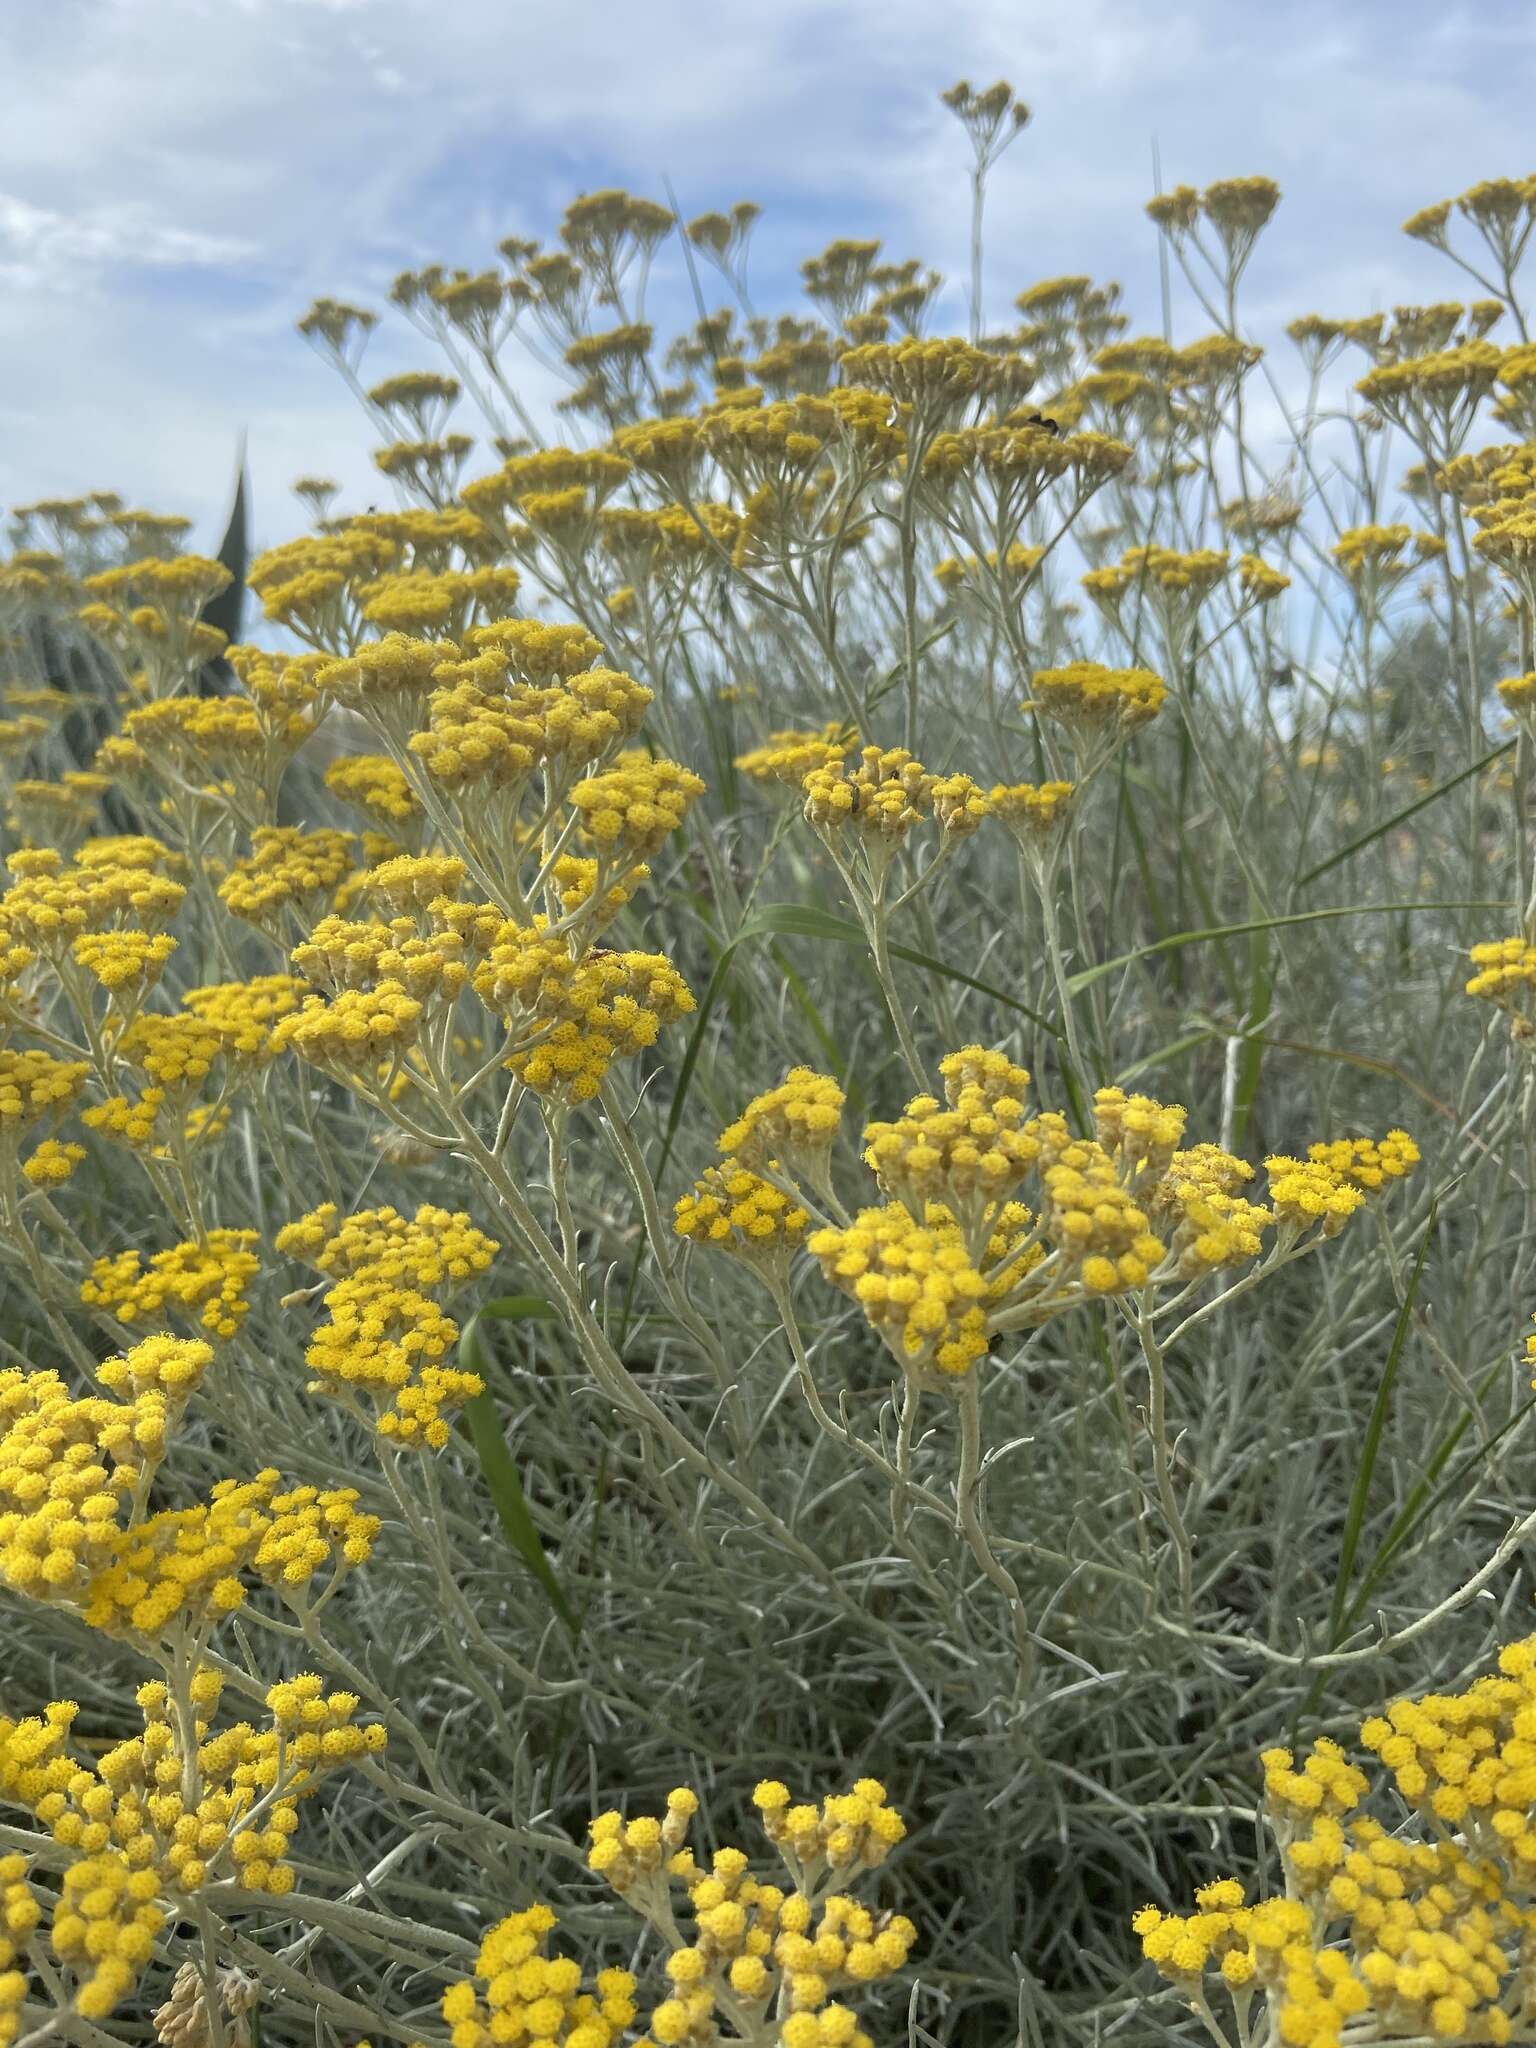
[1037, 831]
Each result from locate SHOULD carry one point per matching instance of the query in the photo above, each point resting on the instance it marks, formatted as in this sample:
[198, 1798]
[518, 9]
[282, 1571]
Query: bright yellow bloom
[206, 1280]
[789, 756]
[733, 1210]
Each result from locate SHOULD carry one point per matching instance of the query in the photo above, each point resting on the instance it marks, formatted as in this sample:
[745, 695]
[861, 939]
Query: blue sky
[180, 178]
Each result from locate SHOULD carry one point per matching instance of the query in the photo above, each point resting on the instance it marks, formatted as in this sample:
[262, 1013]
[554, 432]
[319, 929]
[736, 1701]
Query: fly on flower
[1038, 419]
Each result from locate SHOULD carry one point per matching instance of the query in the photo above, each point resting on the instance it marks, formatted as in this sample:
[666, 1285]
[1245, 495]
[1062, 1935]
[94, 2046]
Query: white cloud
[181, 177]
[41, 249]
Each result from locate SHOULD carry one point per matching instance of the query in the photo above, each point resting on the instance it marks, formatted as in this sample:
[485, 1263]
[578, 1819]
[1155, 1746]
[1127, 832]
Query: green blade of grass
[800, 921]
[483, 1426]
[1261, 984]
[1366, 1062]
[1171, 1051]
[1359, 1495]
[1425, 1494]
[1088, 975]
[1408, 811]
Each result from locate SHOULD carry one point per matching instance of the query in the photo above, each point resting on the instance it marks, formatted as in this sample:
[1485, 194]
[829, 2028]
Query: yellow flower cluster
[124, 963]
[52, 1163]
[170, 1366]
[1196, 1205]
[385, 1334]
[959, 805]
[345, 953]
[778, 448]
[478, 737]
[19, 1915]
[510, 702]
[1498, 487]
[136, 1124]
[1518, 694]
[796, 1122]
[1020, 461]
[482, 729]
[1310, 1191]
[1367, 1163]
[104, 1928]
[1090, 700]
[1180, 582]
[34, 1085]
[372, 783]
[433, 1248]
[1261, 582]
[576, 880]
[789, 756]
[281, 686]
[579, 1015]
[938, 378]
[758, 1949]
[56, 814]
[176, 1050]
[1374, 558]
[67, 1465]
[1035, 813]
[152, 1821]
[1139, 1134]
[387, 679]
[355, 1029]
[50, 904]
[180, 1569]
[1443, 386]
[918, 1283]
[1426, 1931]
[415, 881]
[629, 811]
[1118, 1212]
[1091, 1215]
[194, 741]
[533, 1998]
[1236, 207]
[244, 1014]
[204, 1280]
[536, 652]
[967, 1155]
[882, 798]
[961, 572]
[442, 601]
[732, 1210]
[287, 869]
[1506, 976]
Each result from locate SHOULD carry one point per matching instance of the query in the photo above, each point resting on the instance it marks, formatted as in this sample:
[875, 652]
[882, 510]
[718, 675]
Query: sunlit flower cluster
[1421, 1930]
[385, 1336]
[762, 1950]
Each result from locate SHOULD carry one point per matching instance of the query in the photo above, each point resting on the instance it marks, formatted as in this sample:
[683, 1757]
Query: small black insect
[1038, 419]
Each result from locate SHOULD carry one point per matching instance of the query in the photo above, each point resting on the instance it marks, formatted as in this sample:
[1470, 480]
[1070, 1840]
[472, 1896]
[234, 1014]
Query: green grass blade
[800, 921]
[984, 988]
[1261, 984]
[483, 1426]
[1408, 811]
[1367, 1062]
[1088, 975]
[1425, 1495]
[1164, 1053]
[1359, 1496]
